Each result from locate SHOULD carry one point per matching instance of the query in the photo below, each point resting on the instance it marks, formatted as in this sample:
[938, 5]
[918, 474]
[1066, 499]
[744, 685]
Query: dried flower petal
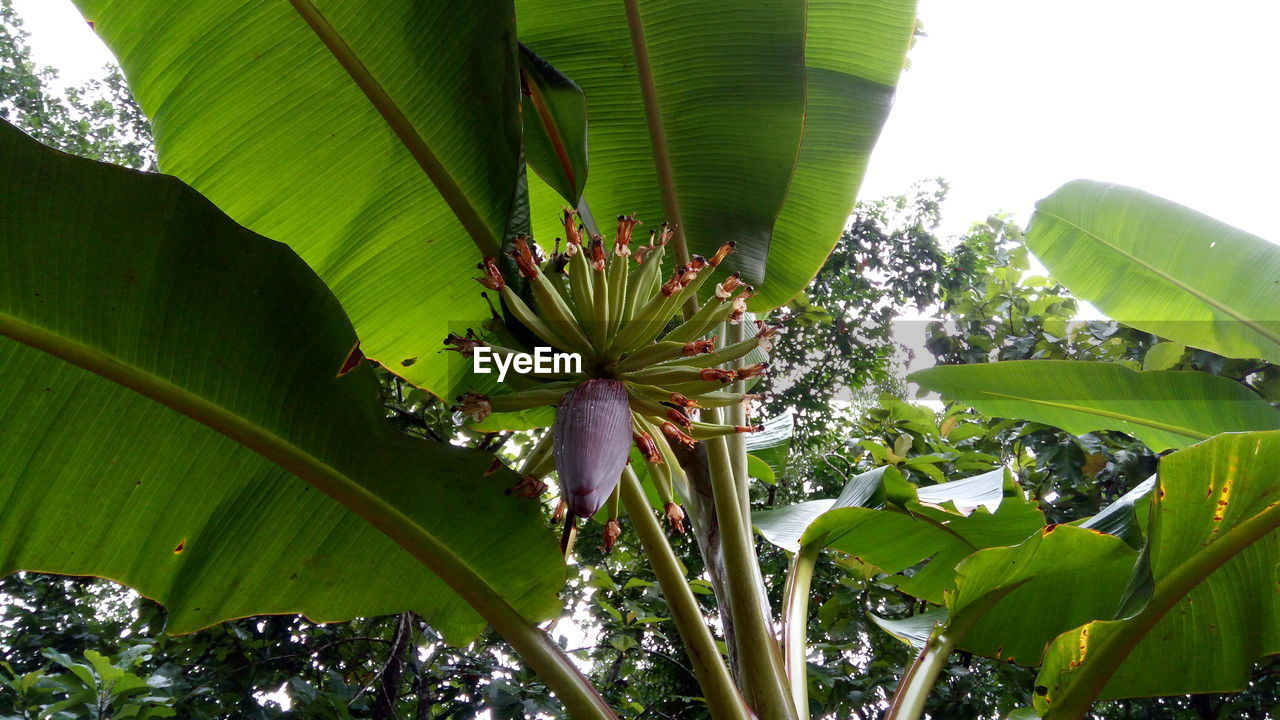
[612, 531]
[716, 374]
[464, 346]
[530, 486]
[474, 405]
[726, 289]
[676, 435]
[698, 347]
[675, 516]
[648, 448]
[571, 232]
[722, 253]
[598, 258]
[524, 258]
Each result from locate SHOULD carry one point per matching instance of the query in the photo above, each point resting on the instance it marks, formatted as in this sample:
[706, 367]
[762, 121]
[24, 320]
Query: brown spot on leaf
[408, 362]
[182, 545]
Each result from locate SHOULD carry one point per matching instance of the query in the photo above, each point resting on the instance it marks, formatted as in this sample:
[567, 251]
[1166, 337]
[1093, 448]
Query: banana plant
[1193, 606]
[189, 354]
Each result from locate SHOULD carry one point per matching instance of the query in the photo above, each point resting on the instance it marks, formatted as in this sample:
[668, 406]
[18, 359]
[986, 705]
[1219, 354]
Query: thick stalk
[917, 681]
[717, 685]
[758, 658]
[761, 672]
[550, 662]
[700, 505]
[795, 625]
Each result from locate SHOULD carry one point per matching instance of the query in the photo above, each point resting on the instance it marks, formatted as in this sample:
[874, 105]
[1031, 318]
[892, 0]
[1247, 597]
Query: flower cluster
[641, 381]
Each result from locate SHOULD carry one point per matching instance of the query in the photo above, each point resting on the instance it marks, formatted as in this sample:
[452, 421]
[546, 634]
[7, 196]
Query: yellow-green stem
[708, 666]
[761, 673]
[795, 624]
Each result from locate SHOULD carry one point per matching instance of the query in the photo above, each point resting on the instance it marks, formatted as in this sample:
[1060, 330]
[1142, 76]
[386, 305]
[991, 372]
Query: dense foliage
[77, 647]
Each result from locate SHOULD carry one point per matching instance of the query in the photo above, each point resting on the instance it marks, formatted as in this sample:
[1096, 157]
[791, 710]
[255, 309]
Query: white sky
[1008, 99]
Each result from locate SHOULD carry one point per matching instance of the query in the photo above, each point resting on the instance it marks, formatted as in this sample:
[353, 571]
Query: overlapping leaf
[729, 78]
[854, 52]
[1165, 409]
[731, 82]
[1162, 267]
[889, 523]
[256, 111]
[200, 384]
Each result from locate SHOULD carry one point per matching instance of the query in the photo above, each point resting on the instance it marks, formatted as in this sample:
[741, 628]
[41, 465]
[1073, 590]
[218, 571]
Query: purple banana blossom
[592, 443]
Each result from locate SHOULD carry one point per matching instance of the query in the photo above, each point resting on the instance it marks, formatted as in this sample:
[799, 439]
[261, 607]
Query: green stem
[761, 673]
[795, 624]
[708, 666]
[916, 683]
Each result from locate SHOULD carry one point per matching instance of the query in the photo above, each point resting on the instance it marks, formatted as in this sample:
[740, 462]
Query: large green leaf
[1165, 409]
[1162, 267]
[729, 79]
[201, 388]
[1012, 601]
[318, 122]
[738, 85]
[854, 51]
[889, 523]
[1203, 605]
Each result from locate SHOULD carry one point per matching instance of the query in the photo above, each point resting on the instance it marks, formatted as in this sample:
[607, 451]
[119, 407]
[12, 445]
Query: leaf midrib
[411, 536]
[1189, 289]
[1177, 584]
[1154, 424]
[404, 129]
